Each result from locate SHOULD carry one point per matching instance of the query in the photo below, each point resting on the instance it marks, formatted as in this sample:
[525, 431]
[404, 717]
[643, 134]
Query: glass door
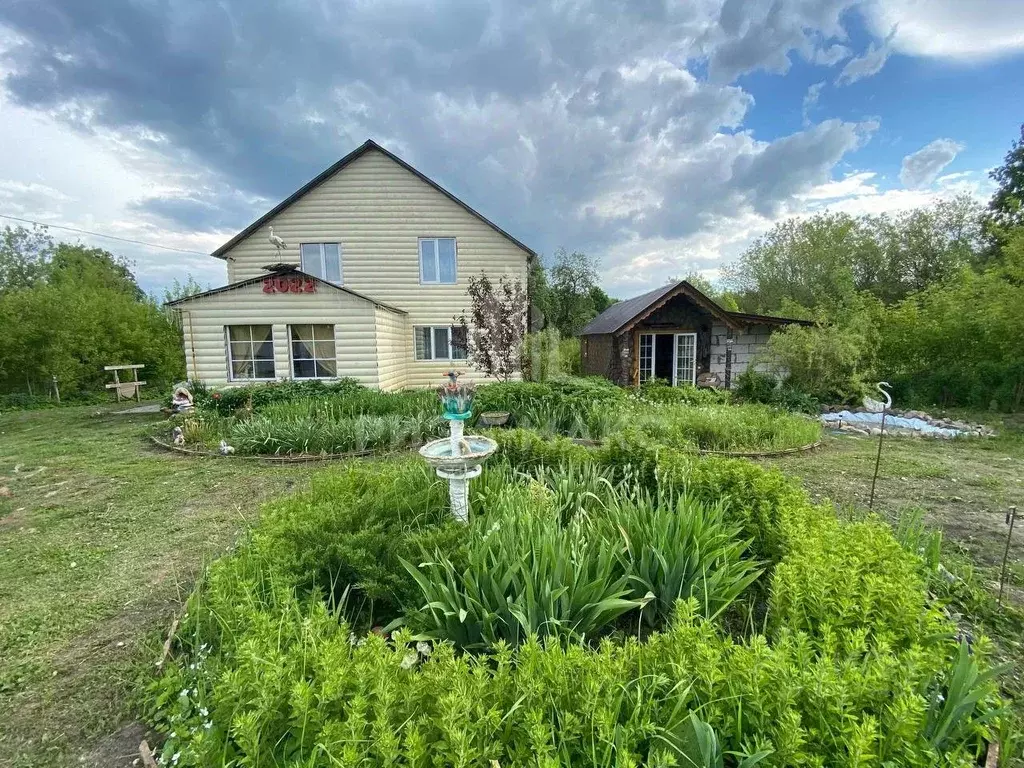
[646, 357]
[685, 364]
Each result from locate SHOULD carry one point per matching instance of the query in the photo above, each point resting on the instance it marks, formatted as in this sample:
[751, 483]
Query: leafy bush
[314, 435]
[547, 355]
[726, 427]
[854, 667]
[756, 387]
[827, 362]
[525, 574]
[659, 391]
[678, 551]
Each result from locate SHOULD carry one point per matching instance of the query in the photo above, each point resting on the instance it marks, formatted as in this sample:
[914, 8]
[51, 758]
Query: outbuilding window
[440, 342]
[251, 352]
[313, 354]
[322, 260]
[437, 260]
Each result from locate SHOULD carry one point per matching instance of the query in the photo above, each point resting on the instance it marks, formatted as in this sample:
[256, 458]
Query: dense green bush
[324, 434]
[756, 387]
[726, 427]
[659, 391]
[853, 667]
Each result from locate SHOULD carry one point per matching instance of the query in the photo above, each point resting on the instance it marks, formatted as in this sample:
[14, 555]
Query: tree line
[68, 310]
[928, 299]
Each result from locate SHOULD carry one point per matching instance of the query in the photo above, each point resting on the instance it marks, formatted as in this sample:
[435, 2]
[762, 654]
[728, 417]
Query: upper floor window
[322, 260]
[437, 260]
[251, 351]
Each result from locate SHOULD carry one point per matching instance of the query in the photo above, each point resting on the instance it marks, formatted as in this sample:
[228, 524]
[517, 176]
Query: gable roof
[623, 315]
[286, 270]
[366, 146]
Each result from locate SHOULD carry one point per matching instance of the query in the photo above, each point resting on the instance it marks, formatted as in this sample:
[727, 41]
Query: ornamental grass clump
[526, 574]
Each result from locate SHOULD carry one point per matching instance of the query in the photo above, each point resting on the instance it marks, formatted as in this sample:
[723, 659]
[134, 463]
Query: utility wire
[99, 234]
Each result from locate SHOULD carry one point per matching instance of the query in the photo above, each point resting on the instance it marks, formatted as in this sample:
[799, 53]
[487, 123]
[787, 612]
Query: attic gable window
[437, 260]
[322, 260]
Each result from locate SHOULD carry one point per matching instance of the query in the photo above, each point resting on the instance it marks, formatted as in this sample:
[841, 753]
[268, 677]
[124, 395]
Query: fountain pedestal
[457, 458]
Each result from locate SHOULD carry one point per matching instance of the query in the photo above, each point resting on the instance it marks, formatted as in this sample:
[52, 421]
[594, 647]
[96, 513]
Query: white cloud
[810, 100]
[960, 29]
[921, 168]
[870, 63]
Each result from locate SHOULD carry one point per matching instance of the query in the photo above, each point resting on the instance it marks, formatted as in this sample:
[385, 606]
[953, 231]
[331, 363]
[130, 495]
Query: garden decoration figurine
[881, 435]
[457, 458]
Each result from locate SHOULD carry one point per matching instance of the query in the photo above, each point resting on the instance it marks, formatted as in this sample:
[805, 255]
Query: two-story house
[357, 274]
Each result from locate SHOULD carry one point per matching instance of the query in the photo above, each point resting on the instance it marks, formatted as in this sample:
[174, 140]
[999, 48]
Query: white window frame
[252, 352]
[646, 372]
[437, 260]
[323, 261]
[434, 358]
[291, 352]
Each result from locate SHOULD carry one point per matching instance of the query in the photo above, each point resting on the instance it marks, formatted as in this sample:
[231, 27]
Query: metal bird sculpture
[276, 240]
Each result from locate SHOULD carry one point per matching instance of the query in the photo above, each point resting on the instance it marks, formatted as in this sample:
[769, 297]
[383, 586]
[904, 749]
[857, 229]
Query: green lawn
[98, 545]
[104, 535]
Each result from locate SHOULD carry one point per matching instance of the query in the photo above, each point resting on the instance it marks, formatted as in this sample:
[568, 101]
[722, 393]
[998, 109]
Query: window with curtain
[440, 342]
[437, 260]
[251, 352]
[313, 354]
[322, 260]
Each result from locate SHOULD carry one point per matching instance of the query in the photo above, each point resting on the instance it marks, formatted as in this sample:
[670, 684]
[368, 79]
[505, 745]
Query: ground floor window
[440, 342]
[251, 351]
[313, 355]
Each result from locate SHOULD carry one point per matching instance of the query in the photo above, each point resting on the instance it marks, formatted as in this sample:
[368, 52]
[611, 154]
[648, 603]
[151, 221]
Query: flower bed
[310, 418]
[548, 631]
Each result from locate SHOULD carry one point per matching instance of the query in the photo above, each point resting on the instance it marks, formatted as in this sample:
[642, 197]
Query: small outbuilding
[675, 333]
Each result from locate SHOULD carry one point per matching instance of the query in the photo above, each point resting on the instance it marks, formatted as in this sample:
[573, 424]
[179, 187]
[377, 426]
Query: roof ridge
[330, 171]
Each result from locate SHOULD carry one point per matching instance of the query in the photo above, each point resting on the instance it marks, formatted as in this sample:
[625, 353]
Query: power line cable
[99, 234]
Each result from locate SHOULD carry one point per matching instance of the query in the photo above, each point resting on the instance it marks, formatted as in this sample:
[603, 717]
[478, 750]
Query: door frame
[675, 333]
[675, 358]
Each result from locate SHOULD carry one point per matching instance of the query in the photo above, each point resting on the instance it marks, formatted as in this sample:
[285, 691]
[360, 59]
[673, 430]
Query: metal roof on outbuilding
[624, 314]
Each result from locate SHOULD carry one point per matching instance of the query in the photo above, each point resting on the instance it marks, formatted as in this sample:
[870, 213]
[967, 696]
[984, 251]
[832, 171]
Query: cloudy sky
[657, 135]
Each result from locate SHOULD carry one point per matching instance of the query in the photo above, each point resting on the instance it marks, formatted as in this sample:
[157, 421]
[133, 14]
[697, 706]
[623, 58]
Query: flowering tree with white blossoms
[496, 326]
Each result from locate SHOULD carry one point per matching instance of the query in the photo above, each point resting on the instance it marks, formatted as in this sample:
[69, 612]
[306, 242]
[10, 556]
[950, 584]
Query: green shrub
[726, 427]
[659, 391]
[855, 667]
[315, 434]
[677, 551]
[757, 387]
[526, 573]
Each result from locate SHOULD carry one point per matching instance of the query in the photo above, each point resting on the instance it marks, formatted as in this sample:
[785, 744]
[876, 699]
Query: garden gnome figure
[178, 436]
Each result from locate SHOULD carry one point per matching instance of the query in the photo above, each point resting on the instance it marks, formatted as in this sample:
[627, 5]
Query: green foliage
[573, 297]
[826, 362]
[547, 355]
[733, 428]
[855, 668]
[958, 343]
[822, 262]
[319, 434]
[104, 318]
[1006, 208]
[659, 391]
[753, 386]
[525, 574]
[675, 551]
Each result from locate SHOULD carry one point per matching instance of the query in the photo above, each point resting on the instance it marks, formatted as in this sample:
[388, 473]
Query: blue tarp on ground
[868, 420]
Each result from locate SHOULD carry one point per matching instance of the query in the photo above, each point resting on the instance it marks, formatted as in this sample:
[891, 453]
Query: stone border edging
[299, 458]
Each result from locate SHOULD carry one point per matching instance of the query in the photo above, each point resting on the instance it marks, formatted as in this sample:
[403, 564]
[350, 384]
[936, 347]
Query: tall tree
[24, 254]
[1006, 207]
[572, 278]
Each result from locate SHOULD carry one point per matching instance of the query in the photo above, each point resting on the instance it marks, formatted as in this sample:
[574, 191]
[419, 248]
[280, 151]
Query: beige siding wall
[394, 337]
[378, 211]
[204, 320]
